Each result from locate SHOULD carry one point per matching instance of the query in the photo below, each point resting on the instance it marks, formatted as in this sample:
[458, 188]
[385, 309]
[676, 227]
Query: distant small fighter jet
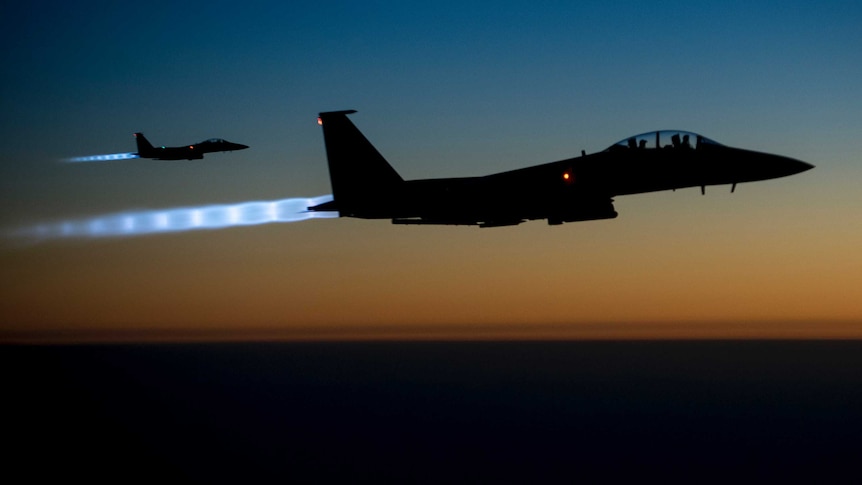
[364, 185]
[189, 152]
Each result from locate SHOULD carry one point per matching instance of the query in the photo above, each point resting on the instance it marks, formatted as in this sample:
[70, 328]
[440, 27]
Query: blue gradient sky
[449, 89]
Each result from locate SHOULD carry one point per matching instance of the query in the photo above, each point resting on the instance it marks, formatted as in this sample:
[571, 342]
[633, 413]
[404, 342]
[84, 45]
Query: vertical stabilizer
[363, 182]
[145, 148]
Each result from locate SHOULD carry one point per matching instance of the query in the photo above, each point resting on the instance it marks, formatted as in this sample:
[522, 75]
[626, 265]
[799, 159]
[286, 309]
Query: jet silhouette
[189, 152]
[365, 186]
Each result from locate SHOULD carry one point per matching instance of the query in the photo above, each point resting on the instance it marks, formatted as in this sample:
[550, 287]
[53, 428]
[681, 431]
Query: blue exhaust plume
[180, 219]
[102, 158]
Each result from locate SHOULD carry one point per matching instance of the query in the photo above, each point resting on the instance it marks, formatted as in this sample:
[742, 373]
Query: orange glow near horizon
[657, 272]
[766, 330]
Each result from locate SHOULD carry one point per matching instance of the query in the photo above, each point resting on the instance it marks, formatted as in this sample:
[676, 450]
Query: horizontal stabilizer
[325, 207]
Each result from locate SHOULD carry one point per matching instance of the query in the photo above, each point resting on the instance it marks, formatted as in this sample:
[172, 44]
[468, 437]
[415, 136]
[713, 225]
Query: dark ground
[522, 412]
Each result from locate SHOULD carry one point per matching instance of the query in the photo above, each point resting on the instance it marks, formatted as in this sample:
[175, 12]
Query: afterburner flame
[137, 223]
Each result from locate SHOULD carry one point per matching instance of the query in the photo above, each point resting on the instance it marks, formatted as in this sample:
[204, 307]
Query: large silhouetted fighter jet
[364, 185]
[188, 152]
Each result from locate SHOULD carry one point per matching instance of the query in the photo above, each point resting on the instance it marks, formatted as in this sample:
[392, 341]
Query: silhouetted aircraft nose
[754, 166]
[774, 166]
[240, 146]
[794, 166]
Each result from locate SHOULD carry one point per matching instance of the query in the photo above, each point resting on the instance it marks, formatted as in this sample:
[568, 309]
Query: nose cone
[804, 166]
[751, 166]
[791, 166]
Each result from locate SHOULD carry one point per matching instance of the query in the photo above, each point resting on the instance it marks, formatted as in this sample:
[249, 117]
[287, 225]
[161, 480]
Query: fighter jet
[190, 152]
[583, 188]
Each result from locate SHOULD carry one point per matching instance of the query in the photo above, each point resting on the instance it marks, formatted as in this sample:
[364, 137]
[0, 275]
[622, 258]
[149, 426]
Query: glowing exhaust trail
[103, 158]
[136, 223]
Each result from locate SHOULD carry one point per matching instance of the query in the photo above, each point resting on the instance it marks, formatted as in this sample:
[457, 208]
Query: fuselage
[582, 188]
[570, 189]
[188, 152]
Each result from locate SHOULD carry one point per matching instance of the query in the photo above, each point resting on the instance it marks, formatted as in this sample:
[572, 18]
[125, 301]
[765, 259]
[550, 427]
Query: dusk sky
[448, 89]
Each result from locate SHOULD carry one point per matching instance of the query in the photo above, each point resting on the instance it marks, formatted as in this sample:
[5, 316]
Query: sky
[447, 89]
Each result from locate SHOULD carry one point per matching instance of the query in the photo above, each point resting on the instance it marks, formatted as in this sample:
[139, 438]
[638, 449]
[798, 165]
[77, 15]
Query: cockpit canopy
[214, 140]
[664, 139]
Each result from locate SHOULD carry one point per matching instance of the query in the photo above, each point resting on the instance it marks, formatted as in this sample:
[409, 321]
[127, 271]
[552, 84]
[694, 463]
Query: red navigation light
[320, 121]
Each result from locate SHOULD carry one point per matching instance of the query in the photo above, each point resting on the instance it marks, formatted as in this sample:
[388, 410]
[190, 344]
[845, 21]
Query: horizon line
[527, 332]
